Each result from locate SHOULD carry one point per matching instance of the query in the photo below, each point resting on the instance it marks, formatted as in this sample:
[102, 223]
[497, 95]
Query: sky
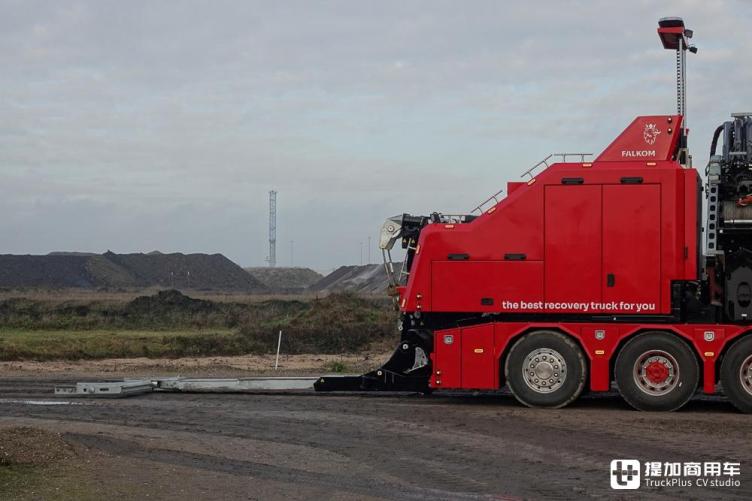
[139, 126]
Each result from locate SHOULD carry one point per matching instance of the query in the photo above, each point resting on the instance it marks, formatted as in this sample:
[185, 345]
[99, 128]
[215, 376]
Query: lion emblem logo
[650, 133]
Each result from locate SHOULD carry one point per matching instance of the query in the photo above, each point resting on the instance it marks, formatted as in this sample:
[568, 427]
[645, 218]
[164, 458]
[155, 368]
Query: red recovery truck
[586, 274]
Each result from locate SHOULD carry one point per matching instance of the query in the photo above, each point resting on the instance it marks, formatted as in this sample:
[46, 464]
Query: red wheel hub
[656, 372]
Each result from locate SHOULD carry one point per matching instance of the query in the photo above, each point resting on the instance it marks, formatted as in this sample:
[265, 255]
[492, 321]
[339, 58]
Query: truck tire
[736, 374]
[656, 371]
[545, 369]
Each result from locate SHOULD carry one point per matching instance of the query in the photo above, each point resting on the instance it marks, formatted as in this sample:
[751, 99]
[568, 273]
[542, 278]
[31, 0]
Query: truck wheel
[656, 371]
[545, 369]
[736, 374]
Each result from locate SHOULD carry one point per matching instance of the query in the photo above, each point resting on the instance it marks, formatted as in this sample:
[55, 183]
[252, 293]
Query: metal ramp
[111, 389]
[218, 385]
[130, 387]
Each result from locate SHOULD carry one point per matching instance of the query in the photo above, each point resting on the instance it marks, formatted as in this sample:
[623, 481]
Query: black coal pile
[110, 271]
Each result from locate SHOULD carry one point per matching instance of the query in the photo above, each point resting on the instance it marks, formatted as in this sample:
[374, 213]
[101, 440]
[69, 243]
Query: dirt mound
[169, 301]
[366, 279]
[187, 271]
[32, 446]
[285, 280]
[126, 271]
[106, 274]
[44, 271]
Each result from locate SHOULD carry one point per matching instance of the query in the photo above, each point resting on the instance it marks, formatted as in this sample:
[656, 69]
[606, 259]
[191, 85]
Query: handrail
[563, 157]
[529, 172]
[493, 197]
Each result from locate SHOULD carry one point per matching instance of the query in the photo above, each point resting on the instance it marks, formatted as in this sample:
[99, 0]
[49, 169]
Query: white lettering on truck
[637, 153]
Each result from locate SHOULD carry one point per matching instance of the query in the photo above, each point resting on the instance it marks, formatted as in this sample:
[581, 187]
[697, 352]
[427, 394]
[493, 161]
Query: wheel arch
[686, 339]
[726, 347]
[503, 356]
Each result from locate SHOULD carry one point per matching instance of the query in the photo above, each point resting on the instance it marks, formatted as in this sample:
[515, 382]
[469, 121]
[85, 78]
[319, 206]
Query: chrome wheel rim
[656, 373]
[544, 370]
[745, 374]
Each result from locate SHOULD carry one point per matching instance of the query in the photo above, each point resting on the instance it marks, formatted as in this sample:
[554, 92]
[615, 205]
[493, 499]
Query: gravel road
[263, 446]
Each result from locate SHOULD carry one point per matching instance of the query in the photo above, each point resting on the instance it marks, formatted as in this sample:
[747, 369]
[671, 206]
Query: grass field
[20, 344]
[170, 324]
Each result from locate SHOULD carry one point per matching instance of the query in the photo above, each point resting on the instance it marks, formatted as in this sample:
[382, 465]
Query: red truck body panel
[473, 357]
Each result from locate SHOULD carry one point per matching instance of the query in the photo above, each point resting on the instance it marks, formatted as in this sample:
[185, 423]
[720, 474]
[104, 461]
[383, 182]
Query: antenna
[675, 36]
[272, 259]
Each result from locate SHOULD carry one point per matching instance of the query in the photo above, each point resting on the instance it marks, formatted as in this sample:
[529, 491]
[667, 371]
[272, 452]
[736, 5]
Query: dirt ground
[314, 446]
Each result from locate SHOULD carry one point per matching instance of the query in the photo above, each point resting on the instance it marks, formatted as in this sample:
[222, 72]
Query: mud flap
[408, 369]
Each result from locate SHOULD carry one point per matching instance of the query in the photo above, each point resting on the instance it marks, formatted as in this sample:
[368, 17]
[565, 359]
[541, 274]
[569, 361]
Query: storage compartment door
[478, 368]
[632, 247]
[573, 246]
[447, 359]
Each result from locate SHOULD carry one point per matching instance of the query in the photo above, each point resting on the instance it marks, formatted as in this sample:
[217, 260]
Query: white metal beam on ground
[129, 387]
[123, 388]
[235, 385]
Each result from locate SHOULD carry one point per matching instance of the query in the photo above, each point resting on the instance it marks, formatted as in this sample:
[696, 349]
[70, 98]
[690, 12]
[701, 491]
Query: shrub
[335, 324]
